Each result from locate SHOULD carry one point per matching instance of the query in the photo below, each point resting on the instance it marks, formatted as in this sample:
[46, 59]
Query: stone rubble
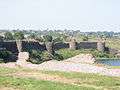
[79, 63]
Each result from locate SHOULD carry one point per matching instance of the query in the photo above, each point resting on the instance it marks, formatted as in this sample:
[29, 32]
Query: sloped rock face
[82, 58]
[22, 58]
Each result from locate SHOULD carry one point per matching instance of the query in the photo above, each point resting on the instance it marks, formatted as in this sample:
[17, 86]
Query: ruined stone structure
[19, 45]
[26, 45]
[49, 47]
[87, 45]
[73, 44]
[101, 46]
[22, 58]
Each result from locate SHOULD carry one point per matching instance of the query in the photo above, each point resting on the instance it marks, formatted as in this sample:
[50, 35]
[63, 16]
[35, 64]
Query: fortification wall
[87, 45]
[12, 46]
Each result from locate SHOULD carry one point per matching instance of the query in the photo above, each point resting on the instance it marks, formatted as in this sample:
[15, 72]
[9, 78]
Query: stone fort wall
[27, 45]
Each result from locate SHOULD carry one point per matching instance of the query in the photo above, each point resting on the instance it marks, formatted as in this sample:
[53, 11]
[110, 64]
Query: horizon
[82, 27]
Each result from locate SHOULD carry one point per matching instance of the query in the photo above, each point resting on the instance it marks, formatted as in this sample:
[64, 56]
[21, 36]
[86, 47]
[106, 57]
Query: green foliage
[85, 38]
[46, 56]
[35, 57]
[113, 43]
[8, 36]
[19, 35]
[83, 81]
[67, 53]
[89, 79]
[5, 54]
[58, 39]
[58, 57]
[34, 84]
[48, 38]
[1, 60]
[32, 36]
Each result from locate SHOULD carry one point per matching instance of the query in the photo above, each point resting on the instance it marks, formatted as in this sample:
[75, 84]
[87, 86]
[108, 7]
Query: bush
[48, 38]
[85, 38]
[5, 54]
[58, 57]
[1, 60]
[35, 61]
[35, 56]
[67, 53]
[46, 56]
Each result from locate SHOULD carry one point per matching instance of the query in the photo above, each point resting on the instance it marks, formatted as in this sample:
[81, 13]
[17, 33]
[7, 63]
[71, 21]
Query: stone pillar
[73, 44]
[19, 45]
[22, 58]
[49, 47]
[101, 46]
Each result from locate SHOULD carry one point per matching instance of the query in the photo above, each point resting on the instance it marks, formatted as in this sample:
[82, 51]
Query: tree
[32, 36]
[8, 36]
[58, 39]
[18, 35]
[85, 38]
[39, 38]
[48, 38]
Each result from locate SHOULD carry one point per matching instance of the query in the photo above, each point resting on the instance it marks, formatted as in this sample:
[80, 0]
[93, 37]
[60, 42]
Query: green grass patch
[115, 67]
[32, 84]
[88, 78]
[93, 81]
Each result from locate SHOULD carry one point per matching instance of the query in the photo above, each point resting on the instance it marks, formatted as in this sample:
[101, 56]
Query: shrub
[1, 60]
[85, 38]
[46, 56]
[5, 54]
[67, 53]
[58, 57]
[35, 56]
[48, 38]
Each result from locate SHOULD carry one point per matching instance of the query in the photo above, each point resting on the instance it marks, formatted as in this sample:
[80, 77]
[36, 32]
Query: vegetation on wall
[4, 55]
[9, 36]
[67, 53]
[37, 57]
[19, 35]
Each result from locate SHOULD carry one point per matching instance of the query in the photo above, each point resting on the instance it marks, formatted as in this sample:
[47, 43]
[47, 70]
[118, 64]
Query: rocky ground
[73, 64]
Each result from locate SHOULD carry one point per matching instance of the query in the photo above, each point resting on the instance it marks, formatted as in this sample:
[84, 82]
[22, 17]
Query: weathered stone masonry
[27, 45]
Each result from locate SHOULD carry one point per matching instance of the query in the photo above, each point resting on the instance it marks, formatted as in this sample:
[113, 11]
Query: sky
[84, 15]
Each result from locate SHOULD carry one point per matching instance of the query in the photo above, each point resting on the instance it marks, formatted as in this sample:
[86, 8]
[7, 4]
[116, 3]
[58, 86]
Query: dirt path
[8, 88]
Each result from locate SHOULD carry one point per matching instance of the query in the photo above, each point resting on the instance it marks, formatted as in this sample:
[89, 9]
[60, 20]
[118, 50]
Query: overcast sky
[84, 15]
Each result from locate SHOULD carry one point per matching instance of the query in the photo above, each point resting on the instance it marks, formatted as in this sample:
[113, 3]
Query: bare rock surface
[73, 64]
[82, 58]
